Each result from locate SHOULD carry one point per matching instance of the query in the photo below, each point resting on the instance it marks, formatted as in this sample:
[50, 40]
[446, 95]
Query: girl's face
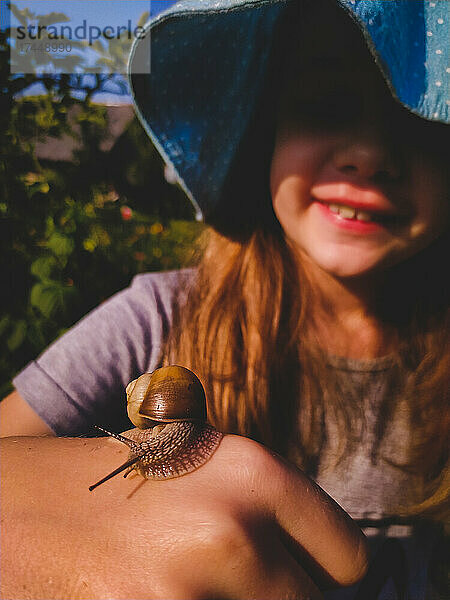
[357, 182]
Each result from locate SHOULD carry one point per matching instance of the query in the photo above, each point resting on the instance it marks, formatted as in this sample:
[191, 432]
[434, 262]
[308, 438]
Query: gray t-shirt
[80, 380]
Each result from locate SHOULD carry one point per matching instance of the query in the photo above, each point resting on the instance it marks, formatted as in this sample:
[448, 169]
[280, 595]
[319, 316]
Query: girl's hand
[245, 525]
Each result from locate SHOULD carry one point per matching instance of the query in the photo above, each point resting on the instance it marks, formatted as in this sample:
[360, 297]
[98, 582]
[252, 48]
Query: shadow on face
[321, 78]
[328, 77]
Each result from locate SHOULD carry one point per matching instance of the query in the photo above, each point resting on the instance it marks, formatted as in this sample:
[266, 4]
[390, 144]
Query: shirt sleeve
[80, 379]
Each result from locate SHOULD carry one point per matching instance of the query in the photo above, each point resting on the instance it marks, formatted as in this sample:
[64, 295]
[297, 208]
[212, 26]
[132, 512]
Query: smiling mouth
[350, 213]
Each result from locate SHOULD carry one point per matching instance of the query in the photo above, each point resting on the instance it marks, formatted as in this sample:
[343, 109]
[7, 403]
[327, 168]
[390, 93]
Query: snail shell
[173, 438]
[168, 394]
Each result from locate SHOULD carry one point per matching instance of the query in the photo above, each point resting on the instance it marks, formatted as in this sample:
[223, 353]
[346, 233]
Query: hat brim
[208, 67]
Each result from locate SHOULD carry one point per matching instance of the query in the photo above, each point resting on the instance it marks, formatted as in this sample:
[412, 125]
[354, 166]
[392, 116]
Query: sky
[97, 9]
[96, 12]
[115, 11]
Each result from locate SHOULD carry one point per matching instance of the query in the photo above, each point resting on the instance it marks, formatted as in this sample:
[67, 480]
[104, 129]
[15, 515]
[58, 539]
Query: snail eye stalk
[125, 465]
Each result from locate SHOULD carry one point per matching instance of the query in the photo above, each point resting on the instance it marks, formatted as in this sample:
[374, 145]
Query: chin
[349, 264]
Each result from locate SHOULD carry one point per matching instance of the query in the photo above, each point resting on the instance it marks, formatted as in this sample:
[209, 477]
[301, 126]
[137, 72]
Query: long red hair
[244, 328]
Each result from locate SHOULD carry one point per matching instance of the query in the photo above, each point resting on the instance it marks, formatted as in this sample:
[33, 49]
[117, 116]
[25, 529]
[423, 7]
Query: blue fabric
[410, 40]
[208, 59]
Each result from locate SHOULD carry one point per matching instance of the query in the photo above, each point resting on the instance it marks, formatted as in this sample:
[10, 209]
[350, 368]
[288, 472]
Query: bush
[74, 233]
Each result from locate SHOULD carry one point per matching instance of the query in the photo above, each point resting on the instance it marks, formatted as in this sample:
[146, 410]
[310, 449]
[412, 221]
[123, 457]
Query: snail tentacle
[126, 465]
[116, 436]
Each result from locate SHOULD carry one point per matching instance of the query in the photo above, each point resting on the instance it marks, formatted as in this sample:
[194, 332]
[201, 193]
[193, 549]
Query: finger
[282, 583]
[316, 529]
[258, 566]
[288, 580]
[319, 533]
[281, 576]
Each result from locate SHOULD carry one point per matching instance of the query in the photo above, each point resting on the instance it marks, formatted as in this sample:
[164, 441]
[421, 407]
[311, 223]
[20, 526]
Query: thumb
[317, 531]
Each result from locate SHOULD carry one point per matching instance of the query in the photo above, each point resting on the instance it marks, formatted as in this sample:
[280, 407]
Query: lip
[350, 225]
[346, 195]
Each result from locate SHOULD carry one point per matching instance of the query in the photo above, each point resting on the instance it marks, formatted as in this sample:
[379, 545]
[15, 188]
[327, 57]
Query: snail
[172, 438]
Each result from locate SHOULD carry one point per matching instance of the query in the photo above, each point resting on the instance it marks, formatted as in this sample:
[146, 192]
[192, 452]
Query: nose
[368, 154]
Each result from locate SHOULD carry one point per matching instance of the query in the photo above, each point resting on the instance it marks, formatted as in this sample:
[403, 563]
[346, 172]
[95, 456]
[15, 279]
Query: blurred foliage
[73, 233]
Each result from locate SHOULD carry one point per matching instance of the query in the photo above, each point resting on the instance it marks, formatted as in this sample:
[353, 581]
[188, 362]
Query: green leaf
[51, 298]
[50, 226]
[144, 18]
[52, 18]
[21, 15]
[46, 297]
[43, 267]
[4, 324]
[60, 244]
[36, 334]
[17, 336]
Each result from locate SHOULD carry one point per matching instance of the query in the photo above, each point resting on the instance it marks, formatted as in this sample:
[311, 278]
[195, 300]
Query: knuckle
[229, 539]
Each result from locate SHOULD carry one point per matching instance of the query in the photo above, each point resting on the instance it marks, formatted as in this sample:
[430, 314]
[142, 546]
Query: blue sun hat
[208, 64]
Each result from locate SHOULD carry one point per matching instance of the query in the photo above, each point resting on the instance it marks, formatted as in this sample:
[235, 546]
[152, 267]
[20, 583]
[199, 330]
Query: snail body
[177, 449]
[172, 437]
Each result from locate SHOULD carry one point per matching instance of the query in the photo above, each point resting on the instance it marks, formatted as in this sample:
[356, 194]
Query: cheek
[296, 163]
[290, 200]
[430, 190]
[289, 197]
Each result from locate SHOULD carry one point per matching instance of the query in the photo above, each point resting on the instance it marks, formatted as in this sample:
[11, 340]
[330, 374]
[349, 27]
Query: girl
[311, 137]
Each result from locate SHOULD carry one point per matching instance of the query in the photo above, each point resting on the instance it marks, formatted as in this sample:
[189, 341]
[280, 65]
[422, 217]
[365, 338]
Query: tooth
[346, 212]
[334, 208]
[362, 215]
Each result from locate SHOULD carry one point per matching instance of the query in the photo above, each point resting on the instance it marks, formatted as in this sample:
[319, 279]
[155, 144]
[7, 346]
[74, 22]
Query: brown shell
[136, 391]
[168, 394]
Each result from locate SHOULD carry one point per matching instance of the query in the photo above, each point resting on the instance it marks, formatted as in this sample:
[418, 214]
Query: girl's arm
[18, 418]
[226, 530]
